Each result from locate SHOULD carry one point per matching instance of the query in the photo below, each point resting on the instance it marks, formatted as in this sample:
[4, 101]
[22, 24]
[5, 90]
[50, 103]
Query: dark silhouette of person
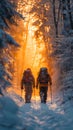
[43, 81]
[27, 83]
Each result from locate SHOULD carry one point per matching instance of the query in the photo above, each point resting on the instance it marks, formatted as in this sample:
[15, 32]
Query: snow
[39, 116]
[16, 115]
[10, 118]
[5, 39]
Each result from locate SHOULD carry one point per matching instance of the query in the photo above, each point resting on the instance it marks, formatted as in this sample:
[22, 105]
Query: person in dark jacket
[27, 83]
[43, 81]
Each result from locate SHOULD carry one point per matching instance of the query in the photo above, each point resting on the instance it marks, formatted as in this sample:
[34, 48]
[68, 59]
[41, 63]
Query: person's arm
[21, 84]
[22, 87]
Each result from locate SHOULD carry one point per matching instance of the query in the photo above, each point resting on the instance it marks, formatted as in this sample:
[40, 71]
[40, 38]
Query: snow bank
[10, 118]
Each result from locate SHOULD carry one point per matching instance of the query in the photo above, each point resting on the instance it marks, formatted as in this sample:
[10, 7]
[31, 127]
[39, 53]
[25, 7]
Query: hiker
[43, 80]
[27, 83]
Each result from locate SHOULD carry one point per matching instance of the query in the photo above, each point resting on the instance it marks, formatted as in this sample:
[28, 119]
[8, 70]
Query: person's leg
[42, 94]
[45, 94]
[28, 94]
[25, 97]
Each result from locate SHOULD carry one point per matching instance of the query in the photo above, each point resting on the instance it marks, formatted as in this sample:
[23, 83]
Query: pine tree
[8, 16]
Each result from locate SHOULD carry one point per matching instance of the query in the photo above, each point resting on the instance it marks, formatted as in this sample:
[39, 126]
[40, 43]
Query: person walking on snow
[27, 83]
[43, 81]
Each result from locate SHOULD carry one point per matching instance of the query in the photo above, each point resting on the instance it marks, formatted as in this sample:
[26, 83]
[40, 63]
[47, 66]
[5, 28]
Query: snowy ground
[45, 117]
[36, 116]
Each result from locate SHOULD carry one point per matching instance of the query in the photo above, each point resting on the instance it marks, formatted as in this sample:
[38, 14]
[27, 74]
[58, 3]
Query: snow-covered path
[37, 116]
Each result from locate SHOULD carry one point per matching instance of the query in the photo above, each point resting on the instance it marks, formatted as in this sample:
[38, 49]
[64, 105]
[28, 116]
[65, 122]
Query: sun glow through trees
[34, 51]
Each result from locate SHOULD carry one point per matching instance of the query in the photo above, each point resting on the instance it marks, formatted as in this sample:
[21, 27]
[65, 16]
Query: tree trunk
[66, 18]
[70, 15]
[56, 16]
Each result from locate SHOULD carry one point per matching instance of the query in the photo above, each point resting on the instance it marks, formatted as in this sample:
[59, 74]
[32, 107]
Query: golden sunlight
[34, 52]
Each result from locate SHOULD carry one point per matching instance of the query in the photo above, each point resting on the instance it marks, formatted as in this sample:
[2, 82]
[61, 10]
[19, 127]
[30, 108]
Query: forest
[34, 34]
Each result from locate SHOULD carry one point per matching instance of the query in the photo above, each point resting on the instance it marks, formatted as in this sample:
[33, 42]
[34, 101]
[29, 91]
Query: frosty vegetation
[63, 46]
[9, 111]
[61, 20]
[10, 118]
[61, 33]
[8, 16]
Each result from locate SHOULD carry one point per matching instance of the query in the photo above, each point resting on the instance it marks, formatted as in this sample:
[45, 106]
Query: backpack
[43, 78]
[27, 78]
